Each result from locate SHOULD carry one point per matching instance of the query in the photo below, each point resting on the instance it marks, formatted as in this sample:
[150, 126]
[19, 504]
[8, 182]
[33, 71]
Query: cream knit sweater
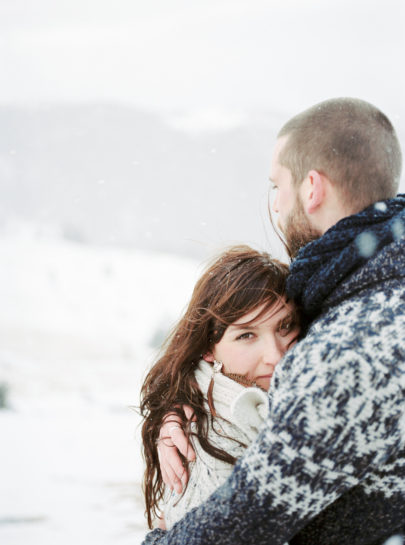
[244, 410]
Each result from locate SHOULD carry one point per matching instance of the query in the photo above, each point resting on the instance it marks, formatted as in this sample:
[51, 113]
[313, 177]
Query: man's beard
[297, 230]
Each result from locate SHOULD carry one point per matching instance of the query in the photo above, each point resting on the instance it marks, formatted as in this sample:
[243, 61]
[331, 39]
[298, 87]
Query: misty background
[151, 124]
[135, 142]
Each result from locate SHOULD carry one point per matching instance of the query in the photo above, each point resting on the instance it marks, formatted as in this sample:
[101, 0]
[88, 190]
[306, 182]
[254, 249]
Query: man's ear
[313, 191]
[209, 357]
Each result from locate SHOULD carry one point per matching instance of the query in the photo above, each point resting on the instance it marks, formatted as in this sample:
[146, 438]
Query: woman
[218, 360]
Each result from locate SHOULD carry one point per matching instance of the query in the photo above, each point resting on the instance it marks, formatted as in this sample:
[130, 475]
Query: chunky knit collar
[225, 390]
[245, 407]
[322, 265]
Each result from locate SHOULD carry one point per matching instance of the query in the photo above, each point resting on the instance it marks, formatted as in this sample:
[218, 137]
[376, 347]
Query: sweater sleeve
[329, 425]
[206, 474]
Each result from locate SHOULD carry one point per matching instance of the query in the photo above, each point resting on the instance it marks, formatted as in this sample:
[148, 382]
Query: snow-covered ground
[78, 326]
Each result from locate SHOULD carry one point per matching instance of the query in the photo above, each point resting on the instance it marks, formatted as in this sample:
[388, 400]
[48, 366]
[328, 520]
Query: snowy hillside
[78, 327]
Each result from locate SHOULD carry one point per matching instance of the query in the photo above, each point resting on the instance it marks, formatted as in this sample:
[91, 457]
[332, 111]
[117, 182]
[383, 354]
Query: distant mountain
[108, 174]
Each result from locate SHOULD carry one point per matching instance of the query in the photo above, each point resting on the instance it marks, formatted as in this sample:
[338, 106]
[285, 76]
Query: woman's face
[254, 350]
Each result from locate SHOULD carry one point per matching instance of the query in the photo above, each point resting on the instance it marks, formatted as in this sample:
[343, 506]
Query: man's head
[330, 161]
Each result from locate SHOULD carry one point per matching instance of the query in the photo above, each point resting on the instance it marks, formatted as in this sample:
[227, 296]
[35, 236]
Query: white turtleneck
[240, 412]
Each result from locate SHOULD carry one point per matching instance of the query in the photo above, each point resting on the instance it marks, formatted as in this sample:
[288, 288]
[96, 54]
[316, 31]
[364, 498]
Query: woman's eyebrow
[290, 316]
[242, 326]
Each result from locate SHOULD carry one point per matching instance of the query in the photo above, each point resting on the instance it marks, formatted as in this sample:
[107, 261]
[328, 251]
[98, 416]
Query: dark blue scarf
[322, 264]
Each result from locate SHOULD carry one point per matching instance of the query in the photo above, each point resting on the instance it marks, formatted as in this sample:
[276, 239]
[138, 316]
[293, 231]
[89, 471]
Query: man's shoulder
[382, 276]
[369, 312]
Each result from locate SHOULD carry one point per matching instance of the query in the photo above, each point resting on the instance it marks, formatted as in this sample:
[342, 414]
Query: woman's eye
[247, 335]
[287, 327]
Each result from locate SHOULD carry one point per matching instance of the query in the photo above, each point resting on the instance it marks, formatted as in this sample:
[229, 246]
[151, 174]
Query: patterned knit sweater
[240, 413]
[328, 466]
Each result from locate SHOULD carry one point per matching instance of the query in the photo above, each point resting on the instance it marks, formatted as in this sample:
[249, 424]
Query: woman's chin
[263, 383]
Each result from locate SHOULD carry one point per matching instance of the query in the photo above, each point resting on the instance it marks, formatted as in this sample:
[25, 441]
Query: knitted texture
[328, 466]
[240, 413]
[323, 263]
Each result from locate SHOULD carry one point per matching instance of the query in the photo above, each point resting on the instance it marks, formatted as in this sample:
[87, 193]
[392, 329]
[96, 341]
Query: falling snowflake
[398, 229]
[394, 540]
[380, 206]
[366, 244]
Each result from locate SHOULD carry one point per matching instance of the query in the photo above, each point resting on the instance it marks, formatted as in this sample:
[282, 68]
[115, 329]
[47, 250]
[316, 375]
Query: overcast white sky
[215, 60]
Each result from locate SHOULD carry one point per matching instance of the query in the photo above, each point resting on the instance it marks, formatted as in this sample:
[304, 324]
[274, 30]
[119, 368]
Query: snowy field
[78, 327]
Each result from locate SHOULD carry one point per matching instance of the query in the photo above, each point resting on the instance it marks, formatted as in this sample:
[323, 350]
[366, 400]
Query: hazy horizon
[215, 62]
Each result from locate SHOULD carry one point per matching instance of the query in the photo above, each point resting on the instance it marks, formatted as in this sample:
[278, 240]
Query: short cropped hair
[351, 142]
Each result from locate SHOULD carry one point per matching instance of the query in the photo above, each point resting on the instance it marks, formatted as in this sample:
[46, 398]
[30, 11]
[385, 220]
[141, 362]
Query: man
[328, 467]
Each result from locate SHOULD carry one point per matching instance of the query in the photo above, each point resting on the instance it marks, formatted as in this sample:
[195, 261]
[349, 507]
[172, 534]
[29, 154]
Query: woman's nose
[273, 351]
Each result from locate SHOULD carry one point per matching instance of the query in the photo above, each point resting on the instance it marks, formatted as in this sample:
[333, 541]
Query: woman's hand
[171, 440]
[161, 523]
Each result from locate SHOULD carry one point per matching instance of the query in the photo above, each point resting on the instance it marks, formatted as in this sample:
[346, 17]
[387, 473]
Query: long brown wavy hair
[239, 281]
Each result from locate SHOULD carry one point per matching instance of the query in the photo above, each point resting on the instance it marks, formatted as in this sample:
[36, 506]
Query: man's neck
[332, 211]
